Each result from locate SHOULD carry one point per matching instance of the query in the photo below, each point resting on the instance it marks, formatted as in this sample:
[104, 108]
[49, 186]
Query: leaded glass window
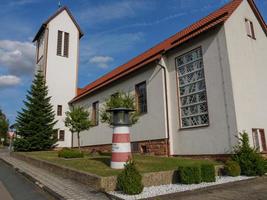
[192, 90]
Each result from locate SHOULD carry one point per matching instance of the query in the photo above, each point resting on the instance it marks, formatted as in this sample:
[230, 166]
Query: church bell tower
[57, 56]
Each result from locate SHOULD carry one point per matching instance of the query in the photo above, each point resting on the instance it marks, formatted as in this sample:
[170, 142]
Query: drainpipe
[167, 107]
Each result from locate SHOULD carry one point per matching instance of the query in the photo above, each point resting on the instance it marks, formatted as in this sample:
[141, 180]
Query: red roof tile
[215, 18]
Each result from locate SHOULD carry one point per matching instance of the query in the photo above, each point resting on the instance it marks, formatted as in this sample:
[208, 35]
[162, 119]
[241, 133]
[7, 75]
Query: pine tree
[35, 123]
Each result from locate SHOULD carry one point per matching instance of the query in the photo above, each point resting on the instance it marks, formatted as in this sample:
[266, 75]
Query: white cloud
[101, 61]
[17, 57]
[8, 81]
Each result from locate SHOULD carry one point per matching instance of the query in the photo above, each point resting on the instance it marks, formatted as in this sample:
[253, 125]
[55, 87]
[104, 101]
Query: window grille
[95, 113]
[66, 44]
[61, 135]
[192, 90]
[59, 42]
[59, 110]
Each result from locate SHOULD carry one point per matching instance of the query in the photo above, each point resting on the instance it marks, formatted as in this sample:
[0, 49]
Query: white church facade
[195, 91]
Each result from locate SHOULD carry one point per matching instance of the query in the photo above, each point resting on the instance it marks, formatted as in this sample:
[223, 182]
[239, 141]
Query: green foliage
[70, 153]
[35, 123]
[250, 161]
[232, 168]
[265, 165]
[119, 100]
[3, 125]
[190, 174]
[208, 173]
[21, 144]
[130, 180]
[77, 120]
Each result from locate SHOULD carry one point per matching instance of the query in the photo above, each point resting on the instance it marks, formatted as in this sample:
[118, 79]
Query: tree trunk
[78, 135]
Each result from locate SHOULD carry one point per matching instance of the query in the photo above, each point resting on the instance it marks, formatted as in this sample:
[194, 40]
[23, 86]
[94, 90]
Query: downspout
[167, 108]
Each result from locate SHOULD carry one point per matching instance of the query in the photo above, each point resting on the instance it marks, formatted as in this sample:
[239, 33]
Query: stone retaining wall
[152, 147]
[98, 182]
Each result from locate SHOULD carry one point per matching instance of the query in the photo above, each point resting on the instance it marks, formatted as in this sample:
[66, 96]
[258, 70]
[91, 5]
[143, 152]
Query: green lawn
[100, 164]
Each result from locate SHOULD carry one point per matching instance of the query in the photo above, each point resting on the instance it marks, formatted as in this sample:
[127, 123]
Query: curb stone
[44, 188]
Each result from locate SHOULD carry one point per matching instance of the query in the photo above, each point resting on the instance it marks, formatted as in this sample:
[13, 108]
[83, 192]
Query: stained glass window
[192, 90]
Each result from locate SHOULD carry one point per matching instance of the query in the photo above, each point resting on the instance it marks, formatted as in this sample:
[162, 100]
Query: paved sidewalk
[66, 188]
[253, 189]
[4, 194]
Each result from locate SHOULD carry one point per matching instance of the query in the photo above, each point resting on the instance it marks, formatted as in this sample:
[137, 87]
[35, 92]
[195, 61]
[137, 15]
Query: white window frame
[250, 29]
[199, 82]
[257, 135]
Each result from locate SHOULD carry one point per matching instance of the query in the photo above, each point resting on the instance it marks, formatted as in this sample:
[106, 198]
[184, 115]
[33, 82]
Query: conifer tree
[35, 123]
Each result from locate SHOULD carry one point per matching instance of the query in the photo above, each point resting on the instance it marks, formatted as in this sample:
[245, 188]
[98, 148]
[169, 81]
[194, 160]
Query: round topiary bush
[232, 168]
[130, 180]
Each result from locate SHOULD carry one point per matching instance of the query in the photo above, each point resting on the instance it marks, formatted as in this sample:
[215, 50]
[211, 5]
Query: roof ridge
[58, 11]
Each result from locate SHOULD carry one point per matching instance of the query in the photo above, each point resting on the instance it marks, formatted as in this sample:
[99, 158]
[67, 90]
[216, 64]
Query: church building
[195, 91]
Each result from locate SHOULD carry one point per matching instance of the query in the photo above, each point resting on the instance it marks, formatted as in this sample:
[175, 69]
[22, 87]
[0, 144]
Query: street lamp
[121, 144]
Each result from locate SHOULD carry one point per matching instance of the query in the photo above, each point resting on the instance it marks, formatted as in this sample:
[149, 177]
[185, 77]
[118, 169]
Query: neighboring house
[195, 90]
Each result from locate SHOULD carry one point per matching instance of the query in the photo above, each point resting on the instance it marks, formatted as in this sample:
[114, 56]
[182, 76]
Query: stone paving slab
[66, 188]
[253, 189]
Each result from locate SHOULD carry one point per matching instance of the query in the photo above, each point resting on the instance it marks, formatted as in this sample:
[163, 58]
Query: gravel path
[174, 188]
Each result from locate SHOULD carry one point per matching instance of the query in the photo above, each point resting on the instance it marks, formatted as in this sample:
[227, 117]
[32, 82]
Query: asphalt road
[15, 186]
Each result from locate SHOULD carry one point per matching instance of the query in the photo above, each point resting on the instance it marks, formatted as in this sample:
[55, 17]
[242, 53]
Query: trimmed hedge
[189, 174]
[232, 168]
[70, 153]
[130, 180]
[208, 173]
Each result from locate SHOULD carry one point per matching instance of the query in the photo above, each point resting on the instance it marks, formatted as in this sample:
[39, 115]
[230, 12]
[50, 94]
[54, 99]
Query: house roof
[61, 9]
[155, 53]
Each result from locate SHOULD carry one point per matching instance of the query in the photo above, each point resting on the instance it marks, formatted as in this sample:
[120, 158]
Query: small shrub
[265, 165]
[249, 159]
[70, 153]
[21, 144]
[130, 180]
[232, 168]
[208, 173]
[190, 174]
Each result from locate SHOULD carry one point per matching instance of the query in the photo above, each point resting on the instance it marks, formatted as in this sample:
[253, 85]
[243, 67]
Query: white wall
[151, 126]
[61, 72]
[248, 60]
[218, 137]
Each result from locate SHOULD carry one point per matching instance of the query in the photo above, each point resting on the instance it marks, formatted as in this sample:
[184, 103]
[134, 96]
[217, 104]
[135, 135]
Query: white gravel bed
[173, 188]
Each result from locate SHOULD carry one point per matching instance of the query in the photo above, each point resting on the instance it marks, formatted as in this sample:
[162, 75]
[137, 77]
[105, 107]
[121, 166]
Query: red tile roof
[155, 53]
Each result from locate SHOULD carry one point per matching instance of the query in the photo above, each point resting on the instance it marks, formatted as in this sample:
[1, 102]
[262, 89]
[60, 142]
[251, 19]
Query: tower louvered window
[63, 44]
[192, 90]
[66, 44]
[59, 43]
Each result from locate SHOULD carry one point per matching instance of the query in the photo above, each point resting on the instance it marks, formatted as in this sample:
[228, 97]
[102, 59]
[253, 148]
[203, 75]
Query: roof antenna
[59, 4]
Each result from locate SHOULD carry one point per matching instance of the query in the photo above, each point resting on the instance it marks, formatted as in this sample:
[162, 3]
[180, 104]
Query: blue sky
[115, 31]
